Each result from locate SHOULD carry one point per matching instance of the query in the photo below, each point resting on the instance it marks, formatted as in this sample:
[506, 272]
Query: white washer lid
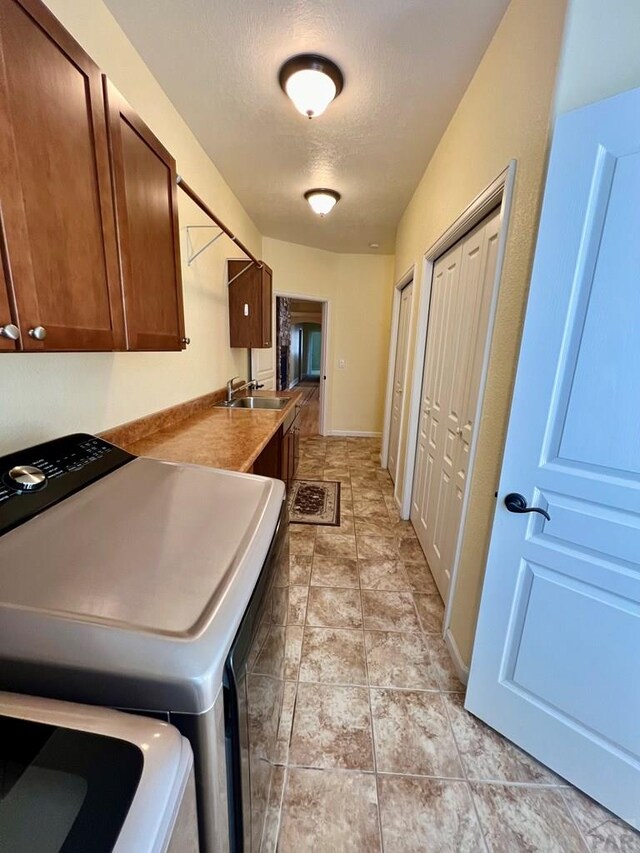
[146, 548]
[143, 575]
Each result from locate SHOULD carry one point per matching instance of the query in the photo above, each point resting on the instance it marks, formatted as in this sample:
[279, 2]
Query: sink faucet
[231, 391]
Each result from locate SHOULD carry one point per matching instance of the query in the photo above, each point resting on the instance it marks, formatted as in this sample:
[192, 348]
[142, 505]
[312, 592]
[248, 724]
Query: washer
[128, 582]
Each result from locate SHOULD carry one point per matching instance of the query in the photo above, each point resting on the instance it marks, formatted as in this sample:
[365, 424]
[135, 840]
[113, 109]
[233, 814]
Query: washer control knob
[26, 478]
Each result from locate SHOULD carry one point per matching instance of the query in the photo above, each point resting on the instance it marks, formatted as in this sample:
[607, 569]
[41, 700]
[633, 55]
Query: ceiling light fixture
[322, 201]
[312, 82]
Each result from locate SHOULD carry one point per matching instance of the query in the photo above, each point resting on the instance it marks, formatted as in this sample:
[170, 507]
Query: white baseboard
[462, 670]
[355, 433]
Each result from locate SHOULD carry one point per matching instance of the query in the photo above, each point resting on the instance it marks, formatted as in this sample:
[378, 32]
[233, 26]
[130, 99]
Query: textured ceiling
[406, 65]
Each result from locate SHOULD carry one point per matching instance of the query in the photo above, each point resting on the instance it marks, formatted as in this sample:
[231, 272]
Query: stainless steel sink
[255, 403]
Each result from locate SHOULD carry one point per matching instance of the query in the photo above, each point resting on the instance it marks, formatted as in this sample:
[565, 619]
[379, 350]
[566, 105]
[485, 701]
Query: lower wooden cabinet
[280, 457]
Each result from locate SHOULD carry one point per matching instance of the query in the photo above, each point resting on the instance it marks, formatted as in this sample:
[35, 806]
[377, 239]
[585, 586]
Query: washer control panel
[31, 480]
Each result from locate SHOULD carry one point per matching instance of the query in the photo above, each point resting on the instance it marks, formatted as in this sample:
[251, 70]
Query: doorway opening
[301, 355]
[402, 327]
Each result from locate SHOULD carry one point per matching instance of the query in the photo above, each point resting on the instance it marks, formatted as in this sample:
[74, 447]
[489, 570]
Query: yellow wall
[504, 114]
[602, 51]
[357, 287]
[52, 394]
[57, 393]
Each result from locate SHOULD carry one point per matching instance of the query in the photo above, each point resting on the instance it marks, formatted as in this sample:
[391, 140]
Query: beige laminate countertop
[218, 437]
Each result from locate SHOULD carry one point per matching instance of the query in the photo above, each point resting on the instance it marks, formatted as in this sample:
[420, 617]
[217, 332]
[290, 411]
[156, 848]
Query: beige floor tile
[519, 818]
[603, 831]
[386, 575]
[336, 546]
[486, 755]
[376, 527]
[301, 545]
[299, 569]
[411, 552]
[334, 608]
[333, 656]
[412, 734]
[297, 604]
[399, 660]
[430, 612]
[392, 508]
[389, 611]
[286, 721]
[420, 815]
[443, 665]
[329, 812]
[274, 806]
[339, 474]
[334, 571]
[270, 660]
[363, 477]
[367, 508]
[377, 547]
[292, 651]
[367, 493]
[345, 528]
[310, 472]
[420, 578]
[331, 728]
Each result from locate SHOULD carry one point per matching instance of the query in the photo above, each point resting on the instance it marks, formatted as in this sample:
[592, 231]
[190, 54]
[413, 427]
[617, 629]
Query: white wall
[601, 54]
[359, 292]
[505, 114]
[44, 395]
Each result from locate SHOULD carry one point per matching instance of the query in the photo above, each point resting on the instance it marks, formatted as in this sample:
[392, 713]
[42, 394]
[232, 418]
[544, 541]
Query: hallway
[309, 418]
[375, 749]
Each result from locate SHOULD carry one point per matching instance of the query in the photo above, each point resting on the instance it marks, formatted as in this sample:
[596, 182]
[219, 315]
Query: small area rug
[315, 502]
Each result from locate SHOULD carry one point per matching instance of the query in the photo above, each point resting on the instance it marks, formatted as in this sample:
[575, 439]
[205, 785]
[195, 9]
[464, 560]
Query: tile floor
[375, 749]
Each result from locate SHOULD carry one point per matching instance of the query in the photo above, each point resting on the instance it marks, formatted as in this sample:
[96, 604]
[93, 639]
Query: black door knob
[518, 503]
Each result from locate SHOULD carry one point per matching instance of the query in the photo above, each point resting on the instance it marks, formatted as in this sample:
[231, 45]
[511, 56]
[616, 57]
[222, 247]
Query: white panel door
[458, 318]
[434, 404]
[556, 662]
[404, 322]
[263, 361]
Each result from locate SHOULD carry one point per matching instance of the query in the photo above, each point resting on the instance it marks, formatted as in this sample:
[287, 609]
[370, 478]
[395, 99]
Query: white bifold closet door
[458, 325]
[402, 347]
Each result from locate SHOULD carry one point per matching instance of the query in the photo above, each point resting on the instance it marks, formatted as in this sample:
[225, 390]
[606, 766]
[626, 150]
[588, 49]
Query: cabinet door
[266, 306]
[245, 304]
[7, 316]
[250, 297]
[144, 181]
[55, 185]
[296, 451]
[285, 456]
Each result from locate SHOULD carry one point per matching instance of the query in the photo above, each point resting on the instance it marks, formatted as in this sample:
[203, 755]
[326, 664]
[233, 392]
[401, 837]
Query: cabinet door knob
[186, 341]
[39, 333]
[10, 331]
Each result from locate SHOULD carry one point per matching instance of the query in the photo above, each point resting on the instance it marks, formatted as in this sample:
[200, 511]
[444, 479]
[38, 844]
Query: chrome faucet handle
[230, 388]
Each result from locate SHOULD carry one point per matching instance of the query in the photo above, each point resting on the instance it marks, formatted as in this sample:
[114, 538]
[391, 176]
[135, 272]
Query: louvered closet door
[460, 300]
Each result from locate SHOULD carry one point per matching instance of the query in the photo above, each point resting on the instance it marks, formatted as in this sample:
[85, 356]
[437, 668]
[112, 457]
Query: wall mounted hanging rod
[195, 198]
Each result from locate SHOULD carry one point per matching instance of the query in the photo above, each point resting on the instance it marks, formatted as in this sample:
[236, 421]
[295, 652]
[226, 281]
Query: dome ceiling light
[312, 82]
[322, 201]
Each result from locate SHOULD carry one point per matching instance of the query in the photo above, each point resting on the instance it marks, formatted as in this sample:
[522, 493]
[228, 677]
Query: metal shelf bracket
[191, 254]
[238, 274]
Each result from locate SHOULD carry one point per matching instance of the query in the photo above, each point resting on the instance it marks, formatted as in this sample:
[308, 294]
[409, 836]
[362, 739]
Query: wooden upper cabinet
[55, 186]
[8, 327]
[250, 305]
[144, 183]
